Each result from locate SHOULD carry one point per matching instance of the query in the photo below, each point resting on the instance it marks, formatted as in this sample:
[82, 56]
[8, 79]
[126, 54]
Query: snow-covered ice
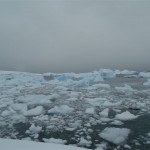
[8, 144]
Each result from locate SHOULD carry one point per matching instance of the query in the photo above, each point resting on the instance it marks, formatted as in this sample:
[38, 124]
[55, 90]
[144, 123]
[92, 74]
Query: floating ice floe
[63, 109]
[125, 116]
[115, 135]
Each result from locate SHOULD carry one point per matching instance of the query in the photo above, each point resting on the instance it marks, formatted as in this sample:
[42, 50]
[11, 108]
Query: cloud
[79, 36]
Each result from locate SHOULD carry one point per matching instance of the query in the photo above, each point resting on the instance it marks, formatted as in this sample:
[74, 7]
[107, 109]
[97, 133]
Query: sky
[74, 35]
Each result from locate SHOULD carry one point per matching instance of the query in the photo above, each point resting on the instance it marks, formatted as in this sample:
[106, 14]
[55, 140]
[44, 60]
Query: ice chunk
[90, 110]
[96, 101]
[61, 109]
[34, 112]
[6, 113]
[99, 148]
[70, 129]
[126, 72]
[107, 73]
[147, 83]
[127, 146]
[144, 74]
[102, 146]
[105, 112]
[84, 142]
[34, 131]
[19, 107]
[125, 116]
[37, 99]
[115, 135]
[110, 104]
[117, 122]
[105, 119]
[126, 88]
[97, 86]
[42, 117]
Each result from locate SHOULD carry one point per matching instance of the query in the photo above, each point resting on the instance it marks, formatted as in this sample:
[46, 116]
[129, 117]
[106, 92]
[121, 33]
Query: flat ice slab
[115, 135]
[8, 144]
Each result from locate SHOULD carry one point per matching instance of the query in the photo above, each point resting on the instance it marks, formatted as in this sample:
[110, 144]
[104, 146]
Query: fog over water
[74, 35]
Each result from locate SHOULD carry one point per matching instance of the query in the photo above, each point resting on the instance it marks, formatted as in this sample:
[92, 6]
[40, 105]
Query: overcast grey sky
[74, 35]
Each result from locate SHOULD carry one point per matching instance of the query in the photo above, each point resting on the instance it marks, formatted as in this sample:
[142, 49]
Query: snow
[61, 109]
[115, 135]
[125, 116]
[7, 144]
[35, 111]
